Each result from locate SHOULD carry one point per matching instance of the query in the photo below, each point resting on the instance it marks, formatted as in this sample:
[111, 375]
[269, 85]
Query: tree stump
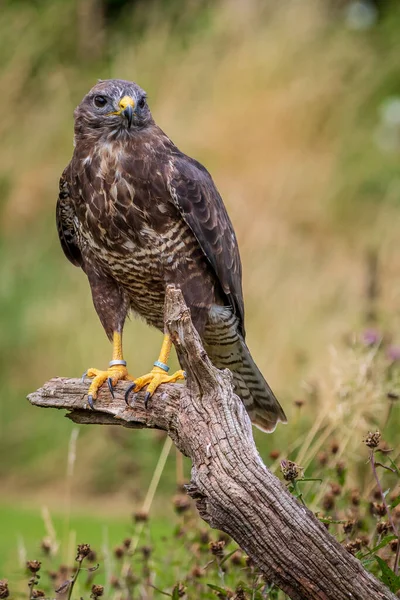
[234, 491]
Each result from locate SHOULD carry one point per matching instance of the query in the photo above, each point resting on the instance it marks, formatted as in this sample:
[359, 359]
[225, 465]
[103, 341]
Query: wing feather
[200, 204]
[65, 225]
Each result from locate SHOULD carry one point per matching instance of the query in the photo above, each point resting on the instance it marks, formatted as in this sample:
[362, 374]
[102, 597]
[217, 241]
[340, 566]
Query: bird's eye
[142, 102]
[99, 101]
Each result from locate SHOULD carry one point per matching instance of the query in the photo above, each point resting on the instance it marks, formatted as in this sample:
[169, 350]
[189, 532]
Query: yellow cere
[126, 101]
[123, 103]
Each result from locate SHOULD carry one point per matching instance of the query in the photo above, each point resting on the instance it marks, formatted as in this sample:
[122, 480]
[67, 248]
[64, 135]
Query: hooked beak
[128, 114]
[127, 106]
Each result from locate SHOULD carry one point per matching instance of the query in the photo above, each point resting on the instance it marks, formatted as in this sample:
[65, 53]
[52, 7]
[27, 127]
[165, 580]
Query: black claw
[128, 391]
[184, 374]
[83, 377]
[110, 387]
[90, 401]
[146, 399]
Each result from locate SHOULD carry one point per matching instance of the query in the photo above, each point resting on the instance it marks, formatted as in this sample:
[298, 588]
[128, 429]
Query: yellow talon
[155, 378]
[113, 375]
[116, 371]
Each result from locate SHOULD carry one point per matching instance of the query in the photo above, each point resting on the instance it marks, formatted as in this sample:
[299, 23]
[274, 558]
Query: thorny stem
[148, 501]
[221, 572]
[299, 494]
[75, 577]
[32, 582]
[397, 557]
[378, 464]
[389, 514]
[253, 587]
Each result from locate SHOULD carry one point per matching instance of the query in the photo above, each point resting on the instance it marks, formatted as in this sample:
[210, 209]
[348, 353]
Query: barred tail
[227, 350]
[261, 404]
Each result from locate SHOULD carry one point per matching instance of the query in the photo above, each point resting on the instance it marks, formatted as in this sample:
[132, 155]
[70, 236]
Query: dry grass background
[281, 105]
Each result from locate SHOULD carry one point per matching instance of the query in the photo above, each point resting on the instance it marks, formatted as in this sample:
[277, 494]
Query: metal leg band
[113, 363]
[162, 365]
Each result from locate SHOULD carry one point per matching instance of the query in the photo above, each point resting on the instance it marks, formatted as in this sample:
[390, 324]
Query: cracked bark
[233, 489]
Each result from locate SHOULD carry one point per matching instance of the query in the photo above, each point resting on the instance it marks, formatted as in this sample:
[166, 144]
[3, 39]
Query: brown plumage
[136, 214]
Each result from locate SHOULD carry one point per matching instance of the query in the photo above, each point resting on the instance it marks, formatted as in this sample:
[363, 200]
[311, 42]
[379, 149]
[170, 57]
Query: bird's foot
[112, 375]
[156, 377]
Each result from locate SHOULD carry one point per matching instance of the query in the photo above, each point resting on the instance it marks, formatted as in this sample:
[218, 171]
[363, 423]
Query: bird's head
[113, 106]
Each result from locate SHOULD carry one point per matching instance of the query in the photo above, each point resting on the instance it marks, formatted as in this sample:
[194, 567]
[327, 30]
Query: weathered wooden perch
[233, 489]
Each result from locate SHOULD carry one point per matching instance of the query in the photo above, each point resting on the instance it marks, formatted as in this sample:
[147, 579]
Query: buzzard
[136, 214]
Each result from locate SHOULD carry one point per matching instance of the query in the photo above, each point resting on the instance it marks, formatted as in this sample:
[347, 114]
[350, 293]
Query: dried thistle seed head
[290, 470]
[204, 536]
[146, 551]
[354, 546]
[249, 562]
[349, 525]
[4, 591]
[130, 577]
[240, 595]
[83, 550]
[180, 532]
[38, 594]
[222, 536]
[45, 546]
[115, 582]
[33, 565]
[322, 458]
[274, 454]
[217, 548]
[340, 467]
[336, 489]
[299, 403]
[382, 527]
[372, 439]
[197, 572]
[355, 497]
[328, 501]
[365, 541]
[237, 558]
[181, 503]
[179, 590]
[334, 446]
[97, 591]
[376, 494]
[378, 509]
[119, 552]
[140, 516]
[393, 546]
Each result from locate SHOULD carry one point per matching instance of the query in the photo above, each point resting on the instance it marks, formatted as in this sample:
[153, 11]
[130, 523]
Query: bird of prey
[136, 214]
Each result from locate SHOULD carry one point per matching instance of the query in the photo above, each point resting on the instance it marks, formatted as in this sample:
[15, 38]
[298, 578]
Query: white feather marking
[219, 313]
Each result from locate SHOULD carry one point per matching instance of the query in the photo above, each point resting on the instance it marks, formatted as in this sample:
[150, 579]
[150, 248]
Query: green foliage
[388, 577]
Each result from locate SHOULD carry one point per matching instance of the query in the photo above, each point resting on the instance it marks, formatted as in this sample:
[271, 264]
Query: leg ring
[161, 365]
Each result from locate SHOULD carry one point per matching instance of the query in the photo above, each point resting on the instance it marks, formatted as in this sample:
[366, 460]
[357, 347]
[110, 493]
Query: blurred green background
[294, 107]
